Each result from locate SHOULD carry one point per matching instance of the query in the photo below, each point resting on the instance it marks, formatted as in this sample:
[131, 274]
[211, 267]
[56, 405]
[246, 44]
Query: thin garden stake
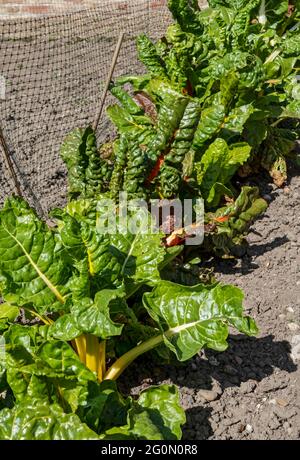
[10, 164]
[17, 187]
[109, 77]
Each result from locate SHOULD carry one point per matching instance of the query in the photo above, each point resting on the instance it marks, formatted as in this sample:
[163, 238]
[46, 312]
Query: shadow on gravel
[259, 249]
[197, 421]
[245, 364]
[245, 265]
[247, 358]
[232, 267]
[248, 362]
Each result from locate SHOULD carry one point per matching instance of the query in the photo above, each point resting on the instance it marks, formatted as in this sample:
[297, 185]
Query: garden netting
[53, 70]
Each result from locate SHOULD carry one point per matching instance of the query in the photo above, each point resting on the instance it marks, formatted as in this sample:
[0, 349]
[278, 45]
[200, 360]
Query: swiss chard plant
[92, 303]
[220, 100]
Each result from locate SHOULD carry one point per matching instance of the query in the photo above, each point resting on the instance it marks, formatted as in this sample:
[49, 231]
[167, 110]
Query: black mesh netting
[54, 69]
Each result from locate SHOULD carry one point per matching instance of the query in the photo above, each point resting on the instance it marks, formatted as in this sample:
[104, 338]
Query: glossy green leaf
[37, 420]
[148, 55]
[126, 100]
[156, 415]
[211, 121]
[217, 166]
[232, 222]
[127, 252]
[94, 316]
[72, 154]
[187, 14]
[193, 317]
[161, 408]
[139, 253]
[8, 311]
[105, 407]
[88, 173]
[33, 266]
[236, 119]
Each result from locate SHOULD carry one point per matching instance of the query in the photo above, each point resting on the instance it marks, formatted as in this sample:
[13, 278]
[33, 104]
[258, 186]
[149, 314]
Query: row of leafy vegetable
[220, 98]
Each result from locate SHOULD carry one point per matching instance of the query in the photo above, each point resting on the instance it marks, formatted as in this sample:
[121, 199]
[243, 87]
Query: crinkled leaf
[237, 118]
[88, 173]
[57, 358]
[137, 126]
[88, 316]
[94, 316]
[186, 14]
[210, 122]
[39, 368]
[218, 165]
[148, 55]
[65, 327]
[105, 407]
[193, 317]
[126, 100]
[37, 420]
[162, 405]
[72, 153]
[129, 253]
[33, 266]
[139, 252]
[249, 68]
[156, 415]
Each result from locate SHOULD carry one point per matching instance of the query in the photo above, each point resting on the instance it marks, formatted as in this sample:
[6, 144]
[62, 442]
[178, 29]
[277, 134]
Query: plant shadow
[197, 425]
[245, 265]
[246, 359]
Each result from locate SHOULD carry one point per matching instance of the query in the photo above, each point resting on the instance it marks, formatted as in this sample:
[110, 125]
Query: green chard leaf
[236, 119]
[33, 263]
[148, 55]
[217, 166]
[172, 105]
[129, 123]
[184, 135]
[193, 317]
[38, 367]
[126, 100]
[156, 415]
[233, 221]
[211, 121]
[88, 316]
[186, 13]
[140, 255]
[160, 407]
[34, 419]
[127, 253]
[72, 154]
[104, 407]
[9, 312]
[88, 173]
